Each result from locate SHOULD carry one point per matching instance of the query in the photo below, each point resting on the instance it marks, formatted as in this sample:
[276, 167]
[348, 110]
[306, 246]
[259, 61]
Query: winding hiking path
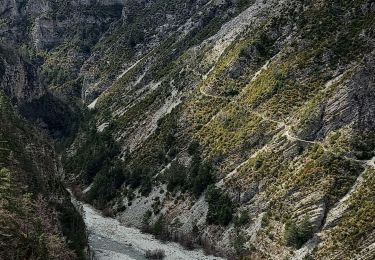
[280, 124]
[335, 213]
[204, 93]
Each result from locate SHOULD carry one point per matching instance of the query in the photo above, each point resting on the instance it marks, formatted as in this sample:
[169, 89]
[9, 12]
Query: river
[111, 240]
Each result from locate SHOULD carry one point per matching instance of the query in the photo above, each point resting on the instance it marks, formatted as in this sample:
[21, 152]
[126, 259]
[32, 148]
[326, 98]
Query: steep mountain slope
[272, 105]
[38, 220]
[244, 126]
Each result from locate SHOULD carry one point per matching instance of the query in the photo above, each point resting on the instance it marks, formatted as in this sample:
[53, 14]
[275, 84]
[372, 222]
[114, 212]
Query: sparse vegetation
[238, 243]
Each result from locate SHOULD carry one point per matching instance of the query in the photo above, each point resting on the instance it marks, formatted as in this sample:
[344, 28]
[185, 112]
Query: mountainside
[242, 126]
[38, 220]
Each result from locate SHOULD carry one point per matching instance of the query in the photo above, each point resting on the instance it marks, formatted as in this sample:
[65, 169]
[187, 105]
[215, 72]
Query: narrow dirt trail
[286, 131]
[280, 124]
[291, 137]
[204, 93]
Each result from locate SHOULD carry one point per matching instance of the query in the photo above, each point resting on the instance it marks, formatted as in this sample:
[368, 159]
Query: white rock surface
[92, 104]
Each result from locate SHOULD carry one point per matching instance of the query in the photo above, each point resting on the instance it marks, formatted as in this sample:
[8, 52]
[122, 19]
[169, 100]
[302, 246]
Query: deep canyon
[187, 129]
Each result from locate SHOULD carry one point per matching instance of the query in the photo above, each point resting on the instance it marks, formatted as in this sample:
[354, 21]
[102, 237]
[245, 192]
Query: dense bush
[242, 219]
[194, 179]
[201, 175]
[139, 177]
[146, 221]
[106, 183]
[297, 235]
[111, 177]
[97, 150]
[73, 228]
[193, 148]
[176, 176]
[159, 229]
[155, 254]
[96, 160]
[220, 209]
[363, 145]
[53, 75]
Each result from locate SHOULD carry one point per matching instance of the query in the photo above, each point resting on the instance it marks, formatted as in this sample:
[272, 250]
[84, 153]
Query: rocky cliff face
[17, 78]
[242, 126]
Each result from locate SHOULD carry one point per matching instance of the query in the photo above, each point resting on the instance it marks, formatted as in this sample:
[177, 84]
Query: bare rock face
[50, 31]
[45, 33]
[17, 78]
[50, 23]
[363, 84]
[353, 101]
[8, 8]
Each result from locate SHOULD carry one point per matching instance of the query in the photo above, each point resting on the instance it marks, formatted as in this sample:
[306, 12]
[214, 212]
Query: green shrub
[243, 219]
[201, 175]
[155, 254]
[194, 179]
[97, 151]
[220, 209]
[297, 235]
[176, 176]
[238, 243]
[159, 228]
[106, 184]
[139, 177]
[74, 229]
[193, 148]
